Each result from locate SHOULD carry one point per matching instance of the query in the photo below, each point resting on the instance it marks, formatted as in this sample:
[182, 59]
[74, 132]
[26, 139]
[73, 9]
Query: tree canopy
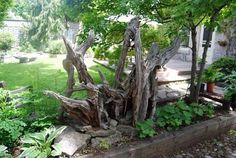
[4, 6]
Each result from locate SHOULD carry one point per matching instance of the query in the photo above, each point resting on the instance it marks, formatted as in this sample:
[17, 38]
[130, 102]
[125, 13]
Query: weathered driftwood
[21, 89]
[137, 93]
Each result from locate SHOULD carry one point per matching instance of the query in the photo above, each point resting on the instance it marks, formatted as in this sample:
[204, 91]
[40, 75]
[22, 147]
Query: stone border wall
[170, 142]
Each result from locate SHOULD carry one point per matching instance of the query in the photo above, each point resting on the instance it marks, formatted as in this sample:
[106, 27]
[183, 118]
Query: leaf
[3, 148]
[42, 155]
[56, 133]
[27, 152]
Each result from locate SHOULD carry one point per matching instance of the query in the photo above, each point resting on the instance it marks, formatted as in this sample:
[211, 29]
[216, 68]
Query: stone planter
[166, 143]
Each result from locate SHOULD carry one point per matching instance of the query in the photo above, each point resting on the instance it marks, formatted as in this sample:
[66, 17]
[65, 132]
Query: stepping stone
[71, 141]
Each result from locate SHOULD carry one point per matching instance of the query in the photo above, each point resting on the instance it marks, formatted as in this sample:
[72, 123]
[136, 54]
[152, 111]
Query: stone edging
[170, 142]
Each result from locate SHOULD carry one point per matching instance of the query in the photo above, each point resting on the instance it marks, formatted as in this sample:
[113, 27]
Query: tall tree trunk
[203, 63]
[194, 65]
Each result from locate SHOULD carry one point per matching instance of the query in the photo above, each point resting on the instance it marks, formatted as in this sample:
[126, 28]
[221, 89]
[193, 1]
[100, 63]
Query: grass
[45, 74]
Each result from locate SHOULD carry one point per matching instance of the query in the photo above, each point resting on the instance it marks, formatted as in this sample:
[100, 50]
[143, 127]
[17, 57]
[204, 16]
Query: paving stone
[71, 141]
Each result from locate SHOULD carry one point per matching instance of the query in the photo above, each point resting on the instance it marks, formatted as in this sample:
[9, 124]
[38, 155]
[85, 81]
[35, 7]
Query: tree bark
[128, 37]
[194, 65]
[203, 63]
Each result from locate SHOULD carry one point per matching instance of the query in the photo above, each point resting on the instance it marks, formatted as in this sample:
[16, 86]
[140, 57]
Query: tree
[46, 20]
[216, 12]
[4, 6]
[189, 15]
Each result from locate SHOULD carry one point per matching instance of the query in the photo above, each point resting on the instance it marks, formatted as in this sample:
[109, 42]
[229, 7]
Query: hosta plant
[40, 145]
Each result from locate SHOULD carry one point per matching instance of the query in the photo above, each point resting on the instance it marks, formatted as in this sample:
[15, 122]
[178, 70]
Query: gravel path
[223, 146]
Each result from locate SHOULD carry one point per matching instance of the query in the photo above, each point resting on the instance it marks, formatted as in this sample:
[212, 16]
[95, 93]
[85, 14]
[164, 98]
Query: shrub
[174, 115]
[27, 47]
[230, 88]
[6, 41]
[145, 128]
[41, 144]
[210, 74]
[56, 47]
[225, 65]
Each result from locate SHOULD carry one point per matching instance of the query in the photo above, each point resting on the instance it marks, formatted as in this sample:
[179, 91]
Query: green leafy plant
[202, 110]
[10, 131]
[6, 41]
[104, 145]
[145, 128]
[56, 47]
[174, 115]
[210, 74]
[3, 152]
[225, 65]
[40, 145]
[230, 88]
[27, 47]
[11, 125]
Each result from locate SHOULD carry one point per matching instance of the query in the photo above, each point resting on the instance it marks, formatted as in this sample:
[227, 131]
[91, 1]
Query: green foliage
[46, 18]
[230, 88]
[151, 34]
[145, 128]
[36, 145]
[4, 6]
[225, 65]
[6, 41]
[10, 131]
[11, 126]
[104, 145]
[3, 152]
[56, 47]
[24, 42]
[174, 115]
[210, 74]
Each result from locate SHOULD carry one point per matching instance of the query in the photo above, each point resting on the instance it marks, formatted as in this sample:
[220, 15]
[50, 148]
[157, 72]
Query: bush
[210, 74]
[6, 41]
[27, 47]
[174, 115]
[225, 65]
[230, 88]
[56, 47]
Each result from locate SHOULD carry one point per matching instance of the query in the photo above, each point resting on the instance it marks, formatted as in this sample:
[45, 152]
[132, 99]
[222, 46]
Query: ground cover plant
[174, 115]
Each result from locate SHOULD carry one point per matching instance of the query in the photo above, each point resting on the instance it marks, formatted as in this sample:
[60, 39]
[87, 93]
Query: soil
[223, 146]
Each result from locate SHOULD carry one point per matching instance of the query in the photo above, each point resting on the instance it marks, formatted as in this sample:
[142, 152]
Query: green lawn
[45, 74]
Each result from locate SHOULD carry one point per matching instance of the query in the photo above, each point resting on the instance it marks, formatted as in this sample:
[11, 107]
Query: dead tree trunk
[137, 93]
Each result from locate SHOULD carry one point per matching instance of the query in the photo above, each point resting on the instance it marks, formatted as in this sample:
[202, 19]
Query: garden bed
[166, 143]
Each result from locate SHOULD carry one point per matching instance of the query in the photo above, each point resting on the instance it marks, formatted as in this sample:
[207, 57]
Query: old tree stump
[137, 94]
